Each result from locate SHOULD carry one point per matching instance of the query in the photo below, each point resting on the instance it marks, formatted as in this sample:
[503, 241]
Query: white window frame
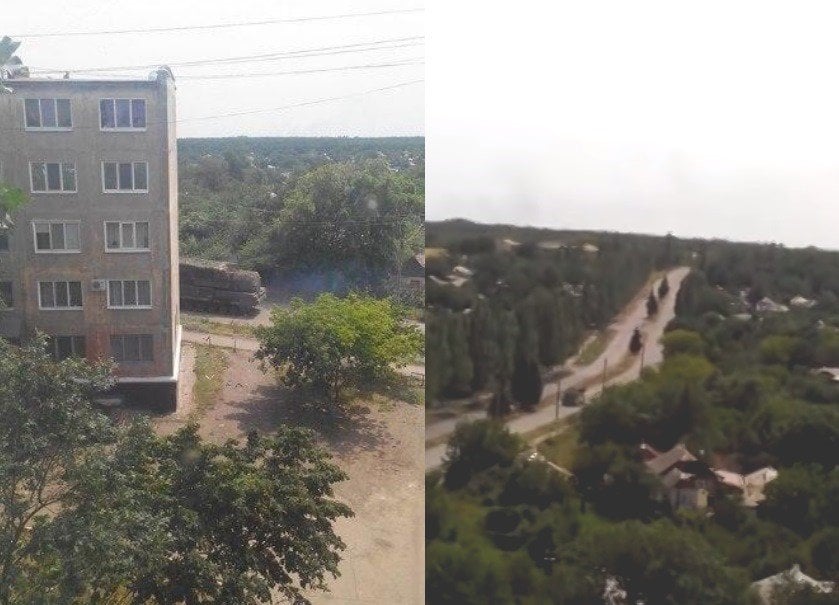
[64, 228]
[61, 191]
[139, 348]
[116, 128]
[136, 292]
[121, 248]
[133, 168]
[55, 128]
[60, 281]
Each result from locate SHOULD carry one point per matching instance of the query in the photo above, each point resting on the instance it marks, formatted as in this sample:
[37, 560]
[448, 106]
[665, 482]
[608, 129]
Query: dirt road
[633, 316]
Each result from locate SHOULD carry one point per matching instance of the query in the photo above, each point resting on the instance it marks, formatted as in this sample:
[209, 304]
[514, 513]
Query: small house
[412, 274]
[802, 303]
[767, 305]
[766, 587]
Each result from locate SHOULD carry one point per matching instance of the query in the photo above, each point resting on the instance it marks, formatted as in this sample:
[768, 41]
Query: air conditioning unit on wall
[98, 285]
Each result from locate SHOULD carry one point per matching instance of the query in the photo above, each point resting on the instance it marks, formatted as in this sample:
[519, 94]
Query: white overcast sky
[388, 113]
[714, 119]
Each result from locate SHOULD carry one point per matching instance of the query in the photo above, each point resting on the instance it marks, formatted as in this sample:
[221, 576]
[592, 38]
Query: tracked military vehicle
[219, 287]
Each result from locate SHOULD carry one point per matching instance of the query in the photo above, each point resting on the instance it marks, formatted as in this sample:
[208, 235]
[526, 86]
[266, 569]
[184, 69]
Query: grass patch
[210, 369]
[398, 387]
[561, 449]
[595, 348]
[196, 323]
[547, 429]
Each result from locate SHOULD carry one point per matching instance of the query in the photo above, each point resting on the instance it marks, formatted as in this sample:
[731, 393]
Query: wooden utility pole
[605, 360]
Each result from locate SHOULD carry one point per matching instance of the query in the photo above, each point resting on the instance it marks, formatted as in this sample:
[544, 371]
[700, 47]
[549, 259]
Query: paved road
[632, 317]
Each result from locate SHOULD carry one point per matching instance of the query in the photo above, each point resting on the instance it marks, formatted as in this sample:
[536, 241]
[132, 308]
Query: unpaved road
[635, 315]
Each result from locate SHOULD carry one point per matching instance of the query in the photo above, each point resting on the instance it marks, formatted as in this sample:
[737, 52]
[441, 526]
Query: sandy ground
[380, 447]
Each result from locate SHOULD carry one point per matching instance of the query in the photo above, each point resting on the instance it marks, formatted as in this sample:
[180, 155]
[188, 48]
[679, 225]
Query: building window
[52, 177]
[129, 293]
[126, 236]
[48, 114]
[122, 114]
[4, 239]
[60, 294]
[125, 176]
[55, 236]
[7, 299]
[65, 347]
[131, 347]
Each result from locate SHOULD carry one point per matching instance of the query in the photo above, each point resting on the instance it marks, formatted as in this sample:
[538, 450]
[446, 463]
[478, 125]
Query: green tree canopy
[89, 509]
[476, 446]
[652, 305]
[335, 343]
[362, 217]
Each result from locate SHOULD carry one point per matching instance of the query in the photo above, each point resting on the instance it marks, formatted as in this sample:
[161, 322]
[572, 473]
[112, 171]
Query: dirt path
[251, 345]
[634, 315]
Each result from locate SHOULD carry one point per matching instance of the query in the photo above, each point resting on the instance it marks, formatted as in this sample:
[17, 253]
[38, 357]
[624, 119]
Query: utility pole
[605, 360]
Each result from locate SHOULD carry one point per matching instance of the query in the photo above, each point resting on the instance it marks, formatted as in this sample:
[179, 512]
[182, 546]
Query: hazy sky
[701, 118]
[392, 112]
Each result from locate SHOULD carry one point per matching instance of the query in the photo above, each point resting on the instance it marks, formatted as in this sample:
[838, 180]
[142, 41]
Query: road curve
[635, 315]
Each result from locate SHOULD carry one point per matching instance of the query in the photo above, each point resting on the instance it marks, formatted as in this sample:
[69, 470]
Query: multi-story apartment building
[91, 259]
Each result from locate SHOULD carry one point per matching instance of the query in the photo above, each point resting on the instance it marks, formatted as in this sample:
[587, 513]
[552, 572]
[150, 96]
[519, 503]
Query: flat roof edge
[24, 81]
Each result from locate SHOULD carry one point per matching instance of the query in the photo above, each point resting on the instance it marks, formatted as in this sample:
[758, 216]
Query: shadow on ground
[345, 428]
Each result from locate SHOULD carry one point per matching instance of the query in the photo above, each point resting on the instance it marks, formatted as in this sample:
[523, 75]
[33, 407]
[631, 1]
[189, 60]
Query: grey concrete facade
[87, 145]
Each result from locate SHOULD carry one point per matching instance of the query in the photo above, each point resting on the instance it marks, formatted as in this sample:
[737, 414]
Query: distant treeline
[350, 210]
[300, 153]
[771, 270]
[527, 298]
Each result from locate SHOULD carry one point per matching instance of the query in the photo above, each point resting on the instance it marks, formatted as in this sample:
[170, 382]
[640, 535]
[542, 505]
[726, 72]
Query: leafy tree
[438, 365]
[459, 575]
[526, 383]
[677, 342]
[361, 217]
[90, 510]
[461, 370]
[824, 552]
[801, 498]
[179, 520]
[336, 343]
[48, 432]
[652, 305]
[476, 446]
[636, 342]
[663, 287]
[617, 484]
[660, 563]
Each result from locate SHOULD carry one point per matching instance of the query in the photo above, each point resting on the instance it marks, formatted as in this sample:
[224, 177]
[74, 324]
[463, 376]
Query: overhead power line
[307, 103]
[301, 53]
[156, 30]
[413, 61]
